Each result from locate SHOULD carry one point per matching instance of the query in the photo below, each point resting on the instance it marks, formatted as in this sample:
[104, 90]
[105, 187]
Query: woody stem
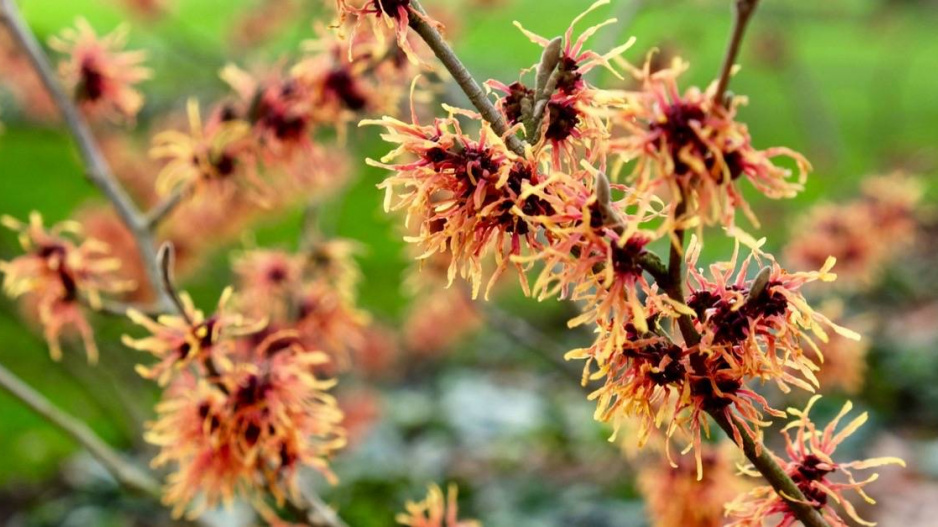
[743, 12]
[762, 459]
[435, 41]
[127, 474]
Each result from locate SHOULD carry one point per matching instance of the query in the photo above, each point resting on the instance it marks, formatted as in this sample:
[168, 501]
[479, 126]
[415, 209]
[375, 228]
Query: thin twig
[315, 512]
[166, 258]
[96, 166]
[530, 338]
[123, 471]
[743, 14]
[431, 35]
[163, 209]
[762, 459]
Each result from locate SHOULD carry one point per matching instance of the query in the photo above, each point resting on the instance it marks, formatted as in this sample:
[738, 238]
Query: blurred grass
[855, 92]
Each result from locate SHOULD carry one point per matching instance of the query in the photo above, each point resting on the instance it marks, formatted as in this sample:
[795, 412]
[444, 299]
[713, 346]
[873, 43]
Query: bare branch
[762, 459]
[744, 10]
[124, 472]
[431, 35]
[163, 209]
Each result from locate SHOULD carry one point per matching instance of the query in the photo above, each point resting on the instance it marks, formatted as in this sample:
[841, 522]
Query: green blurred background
[850, 83]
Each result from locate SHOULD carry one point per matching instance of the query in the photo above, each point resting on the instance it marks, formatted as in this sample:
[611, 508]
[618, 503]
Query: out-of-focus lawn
[848, 83]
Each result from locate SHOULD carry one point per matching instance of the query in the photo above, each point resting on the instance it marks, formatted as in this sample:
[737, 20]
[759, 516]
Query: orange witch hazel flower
[864, 234]
[676, 498]
[249, 431]
[472, 196]
[191, 337]
[213, 155]
[60, 270]
[693, 146]
[811, 466]
[574, 112]
[750, 329]
[436, 510]
[393, 15]
[278, 108]
[101, 75]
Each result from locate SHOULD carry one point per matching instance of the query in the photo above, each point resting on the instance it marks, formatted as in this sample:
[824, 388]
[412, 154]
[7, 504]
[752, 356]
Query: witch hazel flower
[101, 75]
[387, 19]
[811, 465]
[436, 510]
[248, 432]
[677, 498]
[693, 147]
[366, 76]
[216, 155]
[61, 272]
[278, 108]
[568, 114]
[595, 247]
[190, 338]
[470, 195]
[760, 326]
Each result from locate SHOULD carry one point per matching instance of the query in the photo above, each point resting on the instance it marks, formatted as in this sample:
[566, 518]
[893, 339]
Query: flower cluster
[863, 234]
[60, 273]
[811, 466]
[244, 409]
[312, 293]
[692, 146]
[676, 498]
[564, 111]
[100, 74]
[661, 359]
[268, 127]
[436, 510]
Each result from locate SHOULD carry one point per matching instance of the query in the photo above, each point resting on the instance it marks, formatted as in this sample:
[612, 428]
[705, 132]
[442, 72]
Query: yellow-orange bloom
[216, 155]
[811, 466]
[677, 498]
[101, 76]
[59, 270]
[472, 196]
[189, 338]
[247, 432]
[694, 147]
[574, 112]
[864, 234]
[384, 17]
[435, 510]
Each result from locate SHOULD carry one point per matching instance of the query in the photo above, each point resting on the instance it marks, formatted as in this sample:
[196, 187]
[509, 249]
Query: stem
[96, 166]
[124, 472]
[165, 258]
[530, 338]
[764, 462]
[163, 209]
[315, 512]
[743, 14]
[431, 35]
[675, 284]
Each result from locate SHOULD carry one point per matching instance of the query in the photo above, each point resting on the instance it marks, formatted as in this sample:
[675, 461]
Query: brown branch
[764, 462]
[96, 166]
[123, 471]
[530, 338]
[744, 10]
[163, 209]
[314, 512]
[431, 35]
